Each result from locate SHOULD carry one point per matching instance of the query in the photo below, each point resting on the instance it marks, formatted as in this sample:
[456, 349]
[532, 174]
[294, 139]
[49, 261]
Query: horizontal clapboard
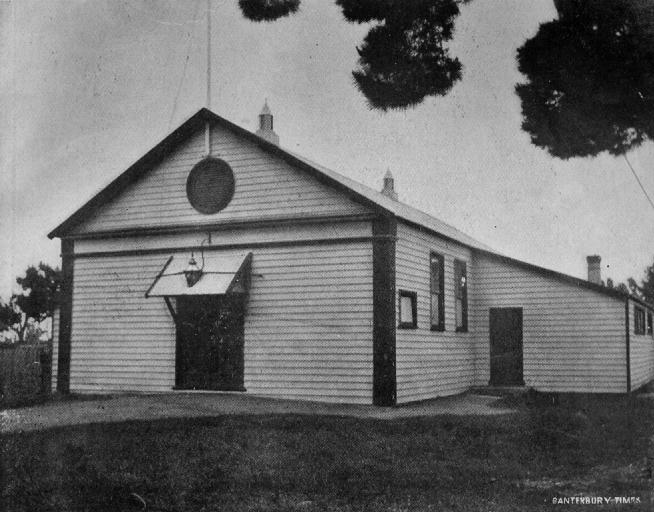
[266, 186]
[308, 328]
[573, 337]
[428, 363]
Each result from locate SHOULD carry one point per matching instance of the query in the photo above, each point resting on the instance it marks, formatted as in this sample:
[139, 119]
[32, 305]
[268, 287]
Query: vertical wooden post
[65, 316]
[384, 230]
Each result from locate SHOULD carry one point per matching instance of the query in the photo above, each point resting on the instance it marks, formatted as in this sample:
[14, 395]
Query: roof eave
[158, 152]
[611, 292]
[163, 148]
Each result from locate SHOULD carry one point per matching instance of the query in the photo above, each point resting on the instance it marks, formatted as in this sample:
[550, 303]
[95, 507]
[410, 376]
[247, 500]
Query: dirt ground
[189, 405]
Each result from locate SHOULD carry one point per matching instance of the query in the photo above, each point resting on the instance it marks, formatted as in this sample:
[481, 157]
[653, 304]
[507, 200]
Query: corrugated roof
[398, 208]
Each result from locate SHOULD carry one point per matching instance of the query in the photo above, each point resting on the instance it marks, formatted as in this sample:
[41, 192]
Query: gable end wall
[267, 187]
[308, 327]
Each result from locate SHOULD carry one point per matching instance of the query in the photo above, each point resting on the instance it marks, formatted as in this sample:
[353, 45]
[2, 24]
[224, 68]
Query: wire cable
[640, 183]
[164, 22]
[172, 23]
[181, 80]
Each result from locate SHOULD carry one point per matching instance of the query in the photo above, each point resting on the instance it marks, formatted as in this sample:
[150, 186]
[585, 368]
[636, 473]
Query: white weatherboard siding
[573, 338]
[274, 234]
[428, 363]
[308, 328]
[120, 340]
[266, 187]
[641, 353]
[55, 347]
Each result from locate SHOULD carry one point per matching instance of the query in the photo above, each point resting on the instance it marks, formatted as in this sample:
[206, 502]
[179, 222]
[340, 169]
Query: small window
[639, 320]
[649, 323]
[461, 295]
[437, 286]
[408, 310]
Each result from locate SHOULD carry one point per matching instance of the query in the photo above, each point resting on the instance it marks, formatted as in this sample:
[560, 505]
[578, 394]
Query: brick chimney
[389, 186]
[594, 270]
[265, 130]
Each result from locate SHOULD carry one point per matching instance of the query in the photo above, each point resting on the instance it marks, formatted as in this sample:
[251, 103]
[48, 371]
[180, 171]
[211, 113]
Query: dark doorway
[210, 342]
[506, 347]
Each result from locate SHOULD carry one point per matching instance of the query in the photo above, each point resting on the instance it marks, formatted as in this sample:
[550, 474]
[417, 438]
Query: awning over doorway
[221, 274]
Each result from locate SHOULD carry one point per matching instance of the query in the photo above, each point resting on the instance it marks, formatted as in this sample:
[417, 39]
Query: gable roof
[401, 210]
[359, 192]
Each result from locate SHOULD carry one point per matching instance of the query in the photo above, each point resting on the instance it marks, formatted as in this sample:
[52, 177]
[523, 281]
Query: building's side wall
[429, 363]
[308, 330]
[266, 187]
[641, 352]
[573, 338]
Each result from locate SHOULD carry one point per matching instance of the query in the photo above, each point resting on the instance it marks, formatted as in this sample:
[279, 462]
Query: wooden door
[209, 343]
[506, 347]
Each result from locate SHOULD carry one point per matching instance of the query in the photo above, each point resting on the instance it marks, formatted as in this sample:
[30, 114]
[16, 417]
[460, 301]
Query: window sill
[461, 329]
[407, 326]
[437, 328]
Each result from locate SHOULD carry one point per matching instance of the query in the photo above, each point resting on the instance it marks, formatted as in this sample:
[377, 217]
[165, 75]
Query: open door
[209, 352]
[506, 347]
[209, 317]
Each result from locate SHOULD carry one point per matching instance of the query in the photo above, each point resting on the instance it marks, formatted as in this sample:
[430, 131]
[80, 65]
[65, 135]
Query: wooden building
[221, 261]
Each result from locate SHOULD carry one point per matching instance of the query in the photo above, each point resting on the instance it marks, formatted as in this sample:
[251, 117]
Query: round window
[210, 185]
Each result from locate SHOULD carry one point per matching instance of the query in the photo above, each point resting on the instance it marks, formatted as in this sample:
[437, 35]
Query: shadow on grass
[21, 402]
[291, 462]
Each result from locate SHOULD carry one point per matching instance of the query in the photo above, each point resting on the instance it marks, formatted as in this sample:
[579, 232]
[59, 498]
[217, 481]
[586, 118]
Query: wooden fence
[25, 373]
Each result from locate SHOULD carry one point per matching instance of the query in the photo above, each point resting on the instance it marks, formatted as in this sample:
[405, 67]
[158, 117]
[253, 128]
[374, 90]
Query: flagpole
[208, 105]
[207, 131]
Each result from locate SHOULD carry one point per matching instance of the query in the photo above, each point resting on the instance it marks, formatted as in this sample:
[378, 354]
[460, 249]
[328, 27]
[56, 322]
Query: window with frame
[408, 309]
[639, 320]
[461, 295]
[649, 323]
[437, 290]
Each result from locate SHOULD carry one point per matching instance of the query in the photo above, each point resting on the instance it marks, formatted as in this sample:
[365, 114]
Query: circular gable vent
[210, 185]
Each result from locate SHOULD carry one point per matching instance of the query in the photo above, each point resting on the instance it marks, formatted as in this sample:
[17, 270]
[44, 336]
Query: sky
[89, 86]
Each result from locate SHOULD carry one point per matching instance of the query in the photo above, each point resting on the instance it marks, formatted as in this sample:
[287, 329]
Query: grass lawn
[581, 446]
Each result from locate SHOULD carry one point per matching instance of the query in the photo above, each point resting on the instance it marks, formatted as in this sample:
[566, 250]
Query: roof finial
[265, 111]
[389, 185]
[265, 130]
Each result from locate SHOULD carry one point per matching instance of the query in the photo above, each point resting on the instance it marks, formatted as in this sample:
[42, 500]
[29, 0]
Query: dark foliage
[40, 288]
[590, 78]
[9, 315]
[402, 59]
[267, 10]
[644, 290]
[35, 304]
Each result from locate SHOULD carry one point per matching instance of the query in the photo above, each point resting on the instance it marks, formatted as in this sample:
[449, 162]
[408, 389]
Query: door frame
[521, 381]
[239, 386]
